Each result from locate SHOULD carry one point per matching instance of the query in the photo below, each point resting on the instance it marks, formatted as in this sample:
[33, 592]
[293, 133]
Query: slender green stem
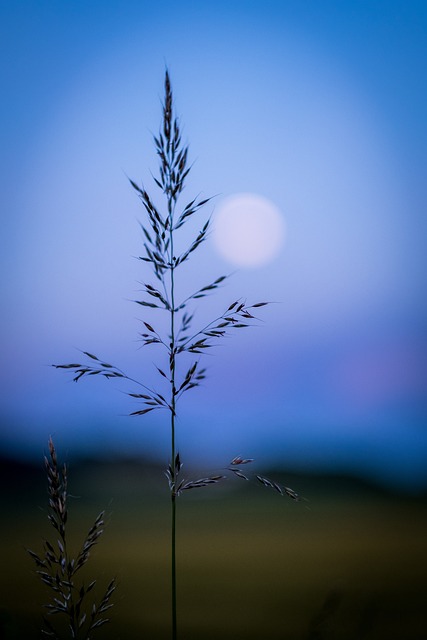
[173, 494]
[174, 626]
[172, 404]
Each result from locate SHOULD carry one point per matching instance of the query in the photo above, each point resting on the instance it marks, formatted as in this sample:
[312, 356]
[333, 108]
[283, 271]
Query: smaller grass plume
[71, 600]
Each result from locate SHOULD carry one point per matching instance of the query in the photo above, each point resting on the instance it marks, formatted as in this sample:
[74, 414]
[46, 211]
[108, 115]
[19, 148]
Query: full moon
[249, 230]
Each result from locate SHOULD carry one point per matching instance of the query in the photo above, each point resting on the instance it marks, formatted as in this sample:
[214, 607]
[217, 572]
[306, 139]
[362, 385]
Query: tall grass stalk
[183, 344]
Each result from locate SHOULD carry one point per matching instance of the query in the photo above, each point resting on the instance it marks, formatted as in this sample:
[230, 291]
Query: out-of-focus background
[320, 108]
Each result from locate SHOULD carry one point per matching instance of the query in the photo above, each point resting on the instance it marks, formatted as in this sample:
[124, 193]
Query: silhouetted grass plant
[182, 340]
[57, 568]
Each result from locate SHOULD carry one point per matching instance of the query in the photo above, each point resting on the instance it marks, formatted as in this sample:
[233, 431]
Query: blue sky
[319, 107]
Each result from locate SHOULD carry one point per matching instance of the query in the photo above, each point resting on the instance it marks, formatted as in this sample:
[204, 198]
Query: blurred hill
[22, 478]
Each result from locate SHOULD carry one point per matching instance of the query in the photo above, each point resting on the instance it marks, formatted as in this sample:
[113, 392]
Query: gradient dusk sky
[319, 106]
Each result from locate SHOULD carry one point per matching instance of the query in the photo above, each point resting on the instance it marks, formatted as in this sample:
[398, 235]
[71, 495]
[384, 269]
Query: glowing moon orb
[249, 230]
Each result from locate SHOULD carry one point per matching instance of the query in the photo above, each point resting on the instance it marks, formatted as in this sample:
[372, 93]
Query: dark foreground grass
[350, 563]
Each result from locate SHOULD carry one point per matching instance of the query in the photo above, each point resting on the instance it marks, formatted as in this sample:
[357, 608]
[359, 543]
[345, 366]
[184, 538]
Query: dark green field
[350, 563]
